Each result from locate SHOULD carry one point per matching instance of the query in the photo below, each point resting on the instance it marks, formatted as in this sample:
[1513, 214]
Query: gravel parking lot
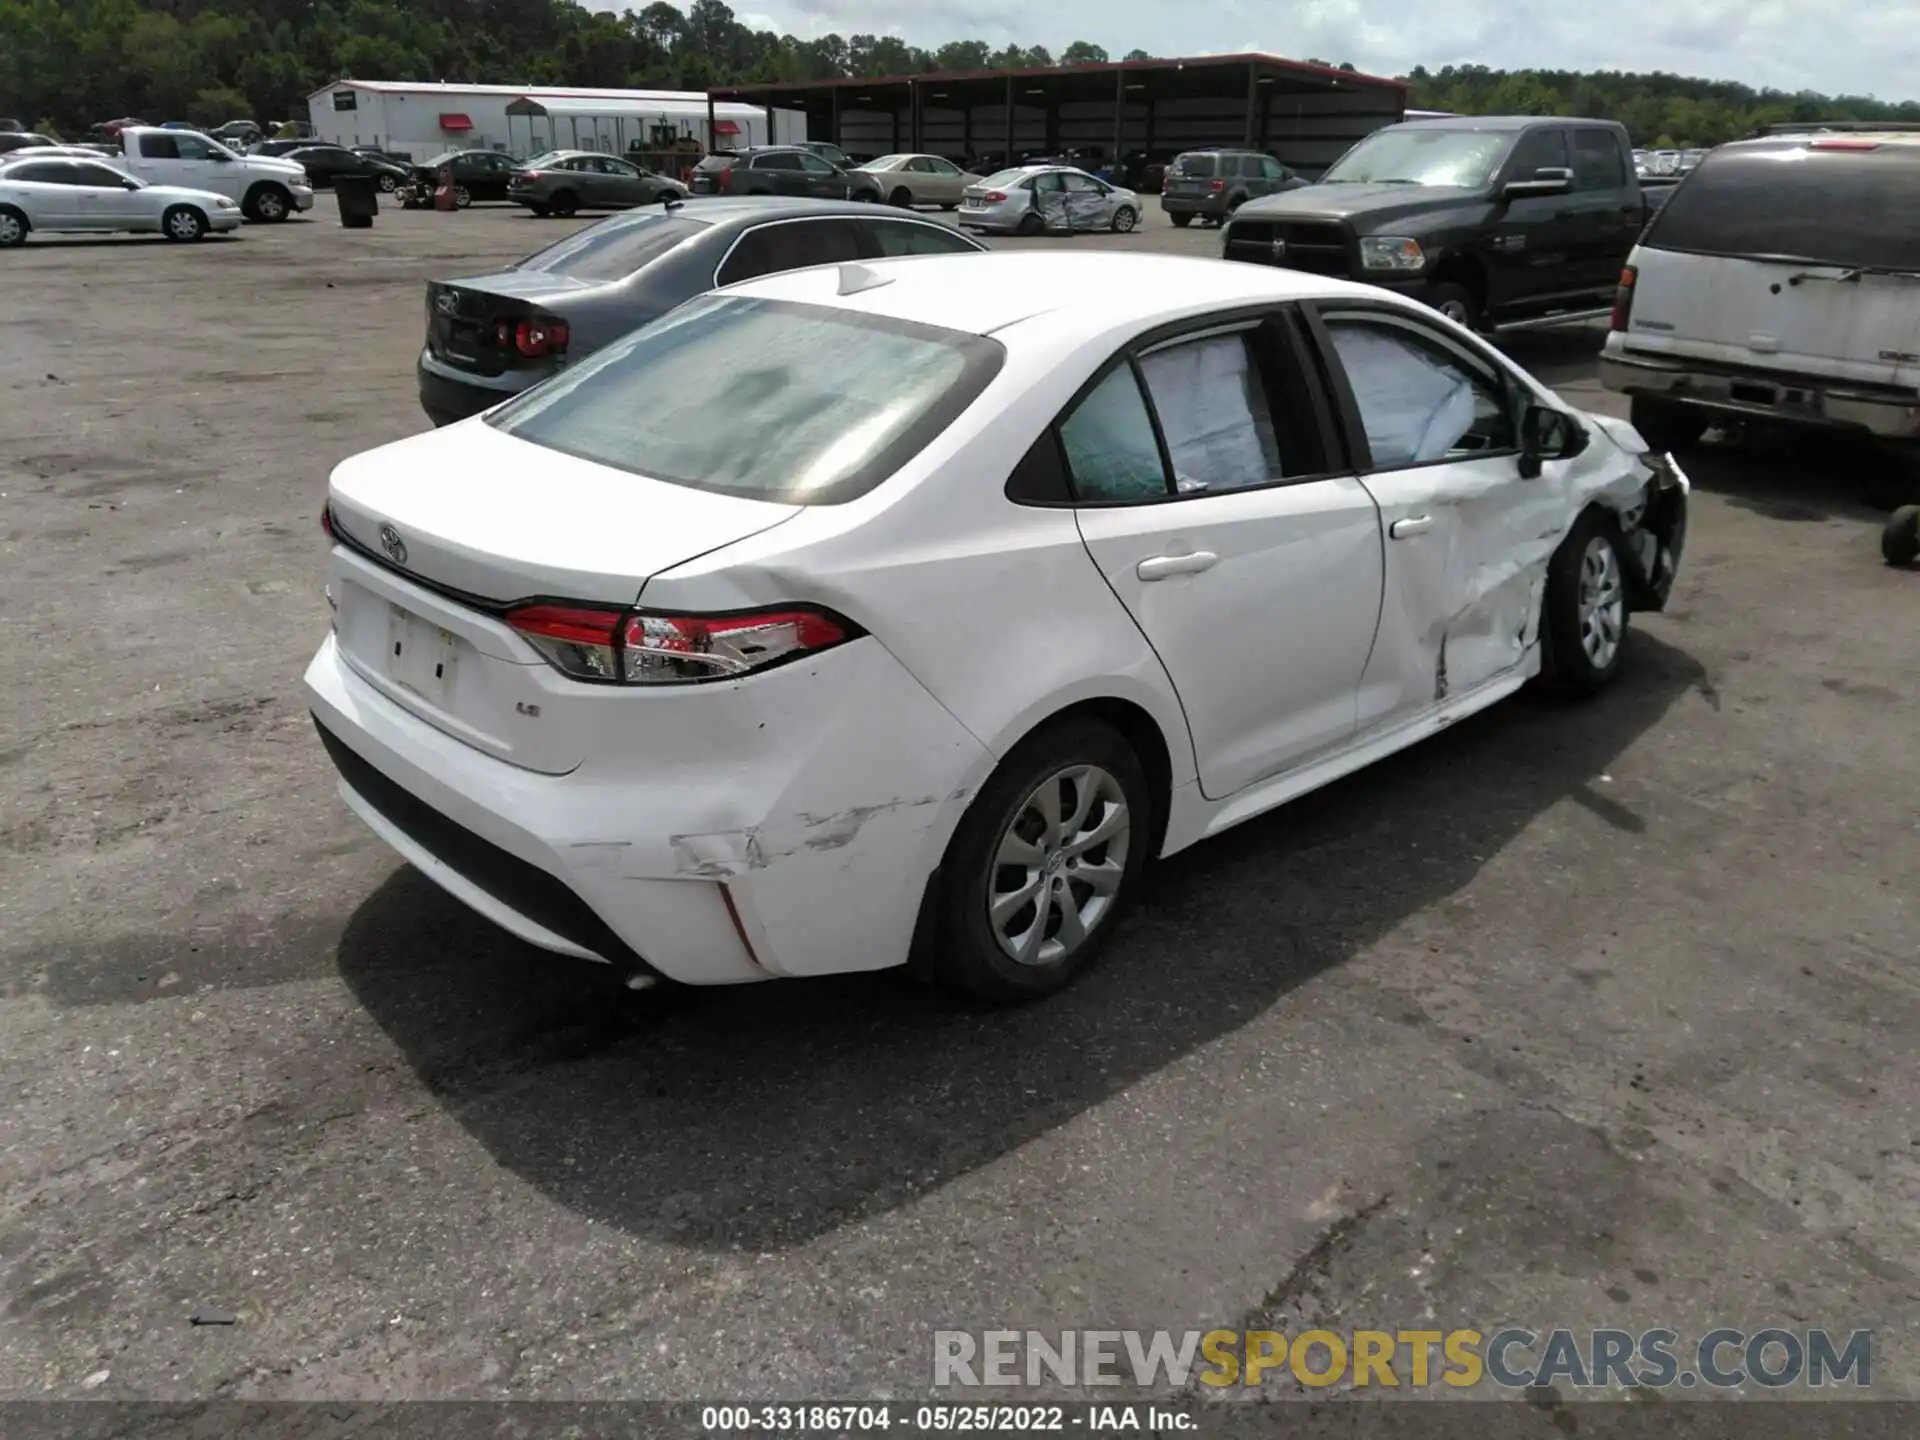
[1585, 1016]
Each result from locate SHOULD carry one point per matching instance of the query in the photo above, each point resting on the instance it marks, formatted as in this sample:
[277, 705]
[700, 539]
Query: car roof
[1503, 123]
[752, 209]
[998, 288]
[1836, 139]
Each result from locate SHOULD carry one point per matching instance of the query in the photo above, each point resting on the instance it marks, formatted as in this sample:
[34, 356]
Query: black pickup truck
[1495, 221]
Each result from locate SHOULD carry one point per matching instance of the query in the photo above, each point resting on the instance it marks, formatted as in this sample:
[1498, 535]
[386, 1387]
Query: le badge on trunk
[391, 542]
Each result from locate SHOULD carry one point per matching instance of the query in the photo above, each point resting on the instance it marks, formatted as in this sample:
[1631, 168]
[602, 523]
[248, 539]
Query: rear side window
[1597, 164]
[613, 248]
[816, 404]
[1857, 208]
[1212, 404]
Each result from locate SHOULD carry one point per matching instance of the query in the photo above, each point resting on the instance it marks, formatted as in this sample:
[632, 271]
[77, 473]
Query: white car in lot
[999, 576]
[91, 195]
[1781, 283]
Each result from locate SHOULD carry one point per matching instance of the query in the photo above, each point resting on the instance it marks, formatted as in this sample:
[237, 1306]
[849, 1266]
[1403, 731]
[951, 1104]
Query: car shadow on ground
[765, 1116]
[1809, 476]
[75, 242]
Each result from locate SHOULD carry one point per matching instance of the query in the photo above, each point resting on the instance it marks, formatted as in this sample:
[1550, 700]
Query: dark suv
[780, 170]
[1215, 183]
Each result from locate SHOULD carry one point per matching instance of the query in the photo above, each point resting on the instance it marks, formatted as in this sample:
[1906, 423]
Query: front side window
[820, 404]
[1272, 169]
[1539, 150]
[1111, 451]
[815, 165]
[1420, 400]
[790, 246]
[159, 147]
[895, 237]
[101, 176]
[192, 147]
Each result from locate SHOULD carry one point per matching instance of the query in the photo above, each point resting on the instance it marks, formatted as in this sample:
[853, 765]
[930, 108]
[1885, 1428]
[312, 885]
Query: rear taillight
[1217, 185]
[326, 521]
[723, 179]
[1623, 298]
[533, 338]
[1844, 145]
[625, 647]
[995, 197]
[525, 177]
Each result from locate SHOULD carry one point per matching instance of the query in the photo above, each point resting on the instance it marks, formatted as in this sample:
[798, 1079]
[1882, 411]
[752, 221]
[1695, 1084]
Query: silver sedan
[81, 195]
[1047, 199]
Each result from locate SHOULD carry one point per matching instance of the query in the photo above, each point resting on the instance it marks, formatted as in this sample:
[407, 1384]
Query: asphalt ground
[1588, 1016]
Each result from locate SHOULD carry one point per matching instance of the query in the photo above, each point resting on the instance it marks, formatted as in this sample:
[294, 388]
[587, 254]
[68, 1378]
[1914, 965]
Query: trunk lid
[462, 316]
[442, 530]
[495, 517]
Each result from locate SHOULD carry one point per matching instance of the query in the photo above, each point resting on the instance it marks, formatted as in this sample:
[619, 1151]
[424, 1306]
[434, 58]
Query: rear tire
[1665, 426]
[1584, 613]
[1030, 224]
[540, 212]
[902, 197]
[14, 226]
[183, 223]
[1005, 847]
[1900, 540]
[565, 204]
[1179, 219]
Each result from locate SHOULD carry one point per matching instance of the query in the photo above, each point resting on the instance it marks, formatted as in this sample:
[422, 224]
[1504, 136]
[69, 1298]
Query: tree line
[67, 64]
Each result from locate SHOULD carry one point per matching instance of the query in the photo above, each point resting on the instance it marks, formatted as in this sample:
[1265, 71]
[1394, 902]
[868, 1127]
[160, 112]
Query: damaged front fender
[1655, 533]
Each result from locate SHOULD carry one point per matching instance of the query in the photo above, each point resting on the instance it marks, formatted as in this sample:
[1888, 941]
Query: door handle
[1161, 566]
[1411, 526]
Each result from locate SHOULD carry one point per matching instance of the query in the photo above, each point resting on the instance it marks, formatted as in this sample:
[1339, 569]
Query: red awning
[455, 122]
[725, 127]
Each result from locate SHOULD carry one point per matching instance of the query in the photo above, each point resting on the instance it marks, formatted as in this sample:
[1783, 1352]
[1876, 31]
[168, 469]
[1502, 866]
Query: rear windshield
[1005, 179]
[1191, 167]
[804, 404]
[1857, 208]
[614, 248]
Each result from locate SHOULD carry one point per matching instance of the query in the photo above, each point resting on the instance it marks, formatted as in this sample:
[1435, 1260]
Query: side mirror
[1547, 180]
[1547, 435]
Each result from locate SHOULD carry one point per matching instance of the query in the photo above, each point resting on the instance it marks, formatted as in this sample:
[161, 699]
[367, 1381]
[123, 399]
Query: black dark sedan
[477, 175]
[326, 163]
[491, 336]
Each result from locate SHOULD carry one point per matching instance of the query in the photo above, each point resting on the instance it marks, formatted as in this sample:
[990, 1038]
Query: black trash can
[359, 199]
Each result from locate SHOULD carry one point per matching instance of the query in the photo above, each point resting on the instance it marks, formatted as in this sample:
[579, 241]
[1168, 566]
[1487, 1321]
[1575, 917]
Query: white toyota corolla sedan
[906, 610]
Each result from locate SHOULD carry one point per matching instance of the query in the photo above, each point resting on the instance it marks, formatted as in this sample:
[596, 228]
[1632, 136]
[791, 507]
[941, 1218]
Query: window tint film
[1419, 400]
[898, 238]
[1191, 167]
[792, 246]
[821, 404]
[1836, 207]
[613, 248]
[1109, 443]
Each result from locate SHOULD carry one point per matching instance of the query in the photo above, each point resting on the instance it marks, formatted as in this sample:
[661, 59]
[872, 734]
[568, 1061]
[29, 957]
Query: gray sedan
[491, 336]
[565, 181]
[1047, 199]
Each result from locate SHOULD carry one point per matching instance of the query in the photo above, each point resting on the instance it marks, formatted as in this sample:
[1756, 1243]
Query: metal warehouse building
[1304, 115]
[422, 120]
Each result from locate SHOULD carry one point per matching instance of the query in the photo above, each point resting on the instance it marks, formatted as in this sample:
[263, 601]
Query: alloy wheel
[1603, 602]
[1059, 866]
[271, 206]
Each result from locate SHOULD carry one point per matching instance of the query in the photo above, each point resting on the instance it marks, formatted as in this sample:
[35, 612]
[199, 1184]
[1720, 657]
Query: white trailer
[421, 120]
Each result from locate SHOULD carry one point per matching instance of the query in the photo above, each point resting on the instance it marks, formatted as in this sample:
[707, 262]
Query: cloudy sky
[1867, 47]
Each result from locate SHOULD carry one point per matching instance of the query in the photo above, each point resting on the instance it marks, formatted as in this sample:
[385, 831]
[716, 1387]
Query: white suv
[1781, 281]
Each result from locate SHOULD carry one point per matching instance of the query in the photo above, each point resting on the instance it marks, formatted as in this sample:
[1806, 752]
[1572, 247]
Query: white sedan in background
[71, 194]
[1015, 572]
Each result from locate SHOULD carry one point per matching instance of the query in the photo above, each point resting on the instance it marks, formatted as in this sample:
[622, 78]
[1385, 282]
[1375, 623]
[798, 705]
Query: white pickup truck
[263, 187]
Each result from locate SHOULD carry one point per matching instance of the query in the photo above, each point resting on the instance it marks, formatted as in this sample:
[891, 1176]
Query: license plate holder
[421, 657]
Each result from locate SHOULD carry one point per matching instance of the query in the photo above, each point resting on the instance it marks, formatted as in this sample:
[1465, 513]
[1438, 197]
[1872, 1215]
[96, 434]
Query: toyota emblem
[1279, 249]
[395, 547]
[446, 302]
